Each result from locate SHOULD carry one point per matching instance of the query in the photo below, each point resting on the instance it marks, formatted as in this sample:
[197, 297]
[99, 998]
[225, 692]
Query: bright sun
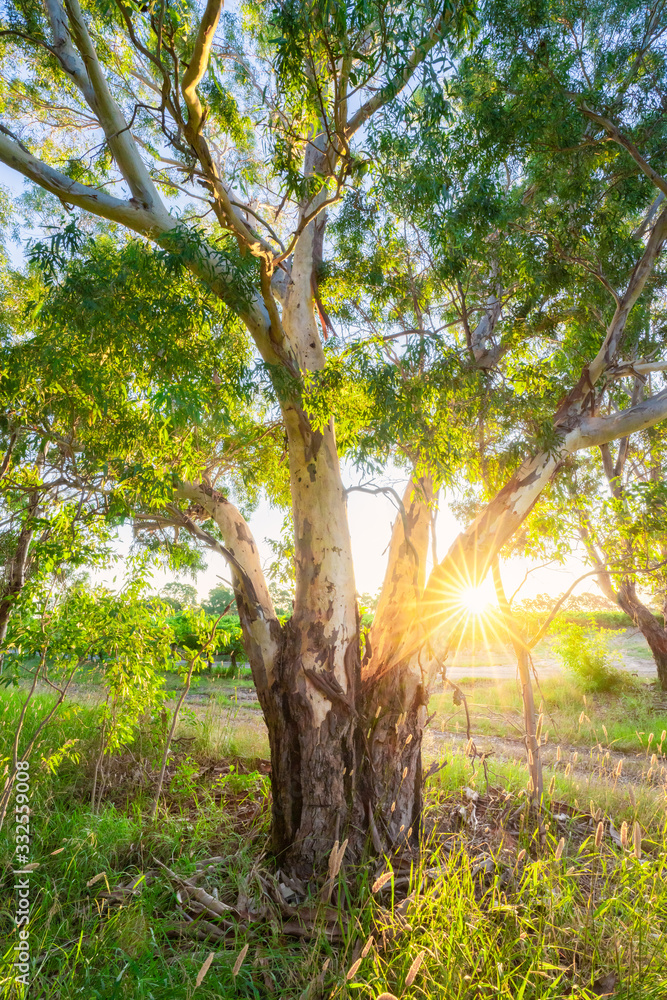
[474, 600]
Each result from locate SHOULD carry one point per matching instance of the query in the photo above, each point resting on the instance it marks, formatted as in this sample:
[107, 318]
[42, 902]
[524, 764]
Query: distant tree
[180, 595]
[283, 598]
[220, 598]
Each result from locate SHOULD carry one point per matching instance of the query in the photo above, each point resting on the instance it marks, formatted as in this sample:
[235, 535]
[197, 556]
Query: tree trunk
[650, 627]
[395, 693]
[628, 601]
[521, 651]
[18, 565]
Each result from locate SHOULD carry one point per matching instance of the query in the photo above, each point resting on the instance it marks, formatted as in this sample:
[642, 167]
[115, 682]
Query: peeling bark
[395, 693]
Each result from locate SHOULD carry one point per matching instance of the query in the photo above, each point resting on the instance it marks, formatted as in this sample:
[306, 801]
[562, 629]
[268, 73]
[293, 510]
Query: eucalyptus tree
[228, 147]
[616, 504]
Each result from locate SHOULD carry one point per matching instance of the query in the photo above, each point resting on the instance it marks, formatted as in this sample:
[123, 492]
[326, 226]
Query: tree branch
[400, 79]
[623, 141]
[199, 62]
[111, 118]
[599, 430]
[94, 200]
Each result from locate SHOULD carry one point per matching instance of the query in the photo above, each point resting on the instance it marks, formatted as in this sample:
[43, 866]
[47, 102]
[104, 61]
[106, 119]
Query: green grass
[628, 716]
[533, 928]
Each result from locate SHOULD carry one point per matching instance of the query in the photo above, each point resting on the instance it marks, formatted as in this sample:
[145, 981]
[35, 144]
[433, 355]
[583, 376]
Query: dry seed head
[522, 854]
[405, 773]
[339, 858]
[632, 797]
[654, 759]
[604, 730]
[619, 768]
[581, 718]
[409, 833]
[530, 757]
[599, 834]
[468, 747]
[377, 711]
[637, 840]
[367, 947]
[575, 757]
[409, 739]
[393, 805]
[414, 969]
[650, 740]
[568, 769]
[598, 815]
[592, 809]
[664, 736]
[530, 786]
[239, 961]
[353, 968]
[387, 996]
[539, 726]
[382, 880]
[332, 859]
[558, 753]
[204, 969]
[624, 834]
[552, 785]
[559, 850]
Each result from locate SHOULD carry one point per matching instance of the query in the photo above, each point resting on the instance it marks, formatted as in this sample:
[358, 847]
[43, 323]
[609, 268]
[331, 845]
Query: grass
[525, 926]
[571, 716]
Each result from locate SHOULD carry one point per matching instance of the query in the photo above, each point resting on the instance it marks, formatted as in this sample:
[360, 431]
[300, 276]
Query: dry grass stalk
[552, 785]
[381, 881]
[239, 961]
[332, 858]
[335, 861]
[637, 840]
[559, 850]
[414, 969]
[367, 947]
[95, 878]
[624, 834]
[599, 834]
[352, 971]
[204, 969]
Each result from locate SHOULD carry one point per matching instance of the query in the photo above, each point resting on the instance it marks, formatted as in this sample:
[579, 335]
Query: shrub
[586, 653]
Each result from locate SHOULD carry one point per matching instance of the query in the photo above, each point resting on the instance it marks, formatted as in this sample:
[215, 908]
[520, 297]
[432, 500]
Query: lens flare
[474, 600]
